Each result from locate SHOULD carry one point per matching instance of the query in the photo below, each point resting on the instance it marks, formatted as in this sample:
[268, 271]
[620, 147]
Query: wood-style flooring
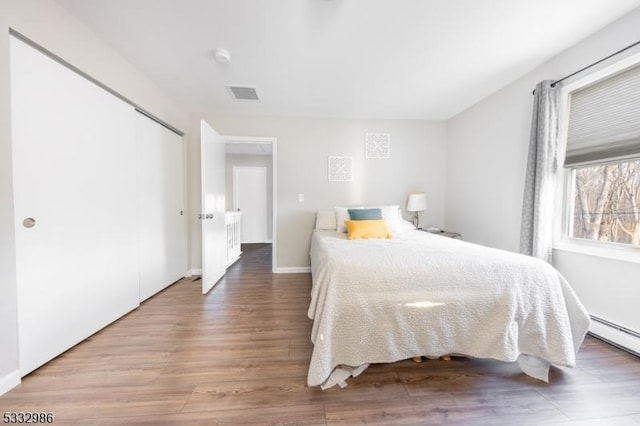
[239, 355]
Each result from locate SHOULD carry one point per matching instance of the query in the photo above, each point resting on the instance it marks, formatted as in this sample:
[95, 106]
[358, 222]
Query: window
[606, 202]
[603, 160]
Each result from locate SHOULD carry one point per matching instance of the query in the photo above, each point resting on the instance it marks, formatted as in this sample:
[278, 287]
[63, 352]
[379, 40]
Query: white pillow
[326, 219]
[342, 214]
[406, 226]
[391, 215]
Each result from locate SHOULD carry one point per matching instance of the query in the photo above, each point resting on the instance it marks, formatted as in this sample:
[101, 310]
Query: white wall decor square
[340, 169]
[377, 145]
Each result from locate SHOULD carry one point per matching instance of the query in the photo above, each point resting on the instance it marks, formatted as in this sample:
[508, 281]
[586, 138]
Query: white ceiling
[413, 59]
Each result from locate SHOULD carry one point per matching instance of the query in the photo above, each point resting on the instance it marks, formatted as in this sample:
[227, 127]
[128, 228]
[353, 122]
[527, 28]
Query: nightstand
[455, 235]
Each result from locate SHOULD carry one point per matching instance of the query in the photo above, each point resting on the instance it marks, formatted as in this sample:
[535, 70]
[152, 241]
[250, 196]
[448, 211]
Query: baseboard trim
[294, 270]
[9, 382]
[620, 339]
[193, 272]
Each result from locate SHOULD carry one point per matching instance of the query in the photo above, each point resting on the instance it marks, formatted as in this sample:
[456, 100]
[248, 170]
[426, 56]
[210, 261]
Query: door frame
[274, 190]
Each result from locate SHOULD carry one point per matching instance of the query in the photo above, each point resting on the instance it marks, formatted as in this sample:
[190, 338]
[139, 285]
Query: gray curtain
[536, 232]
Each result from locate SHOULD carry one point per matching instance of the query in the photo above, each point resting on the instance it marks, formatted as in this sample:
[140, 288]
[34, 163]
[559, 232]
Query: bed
[421, 294]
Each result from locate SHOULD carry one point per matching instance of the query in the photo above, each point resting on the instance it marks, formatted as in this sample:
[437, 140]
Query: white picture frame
[340, 168]
[377, 145]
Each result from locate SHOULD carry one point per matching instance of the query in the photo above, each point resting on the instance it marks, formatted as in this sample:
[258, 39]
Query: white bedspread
[379, 301]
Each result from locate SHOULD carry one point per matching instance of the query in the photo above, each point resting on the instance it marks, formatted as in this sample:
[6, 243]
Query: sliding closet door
[162, 249]
[75, 206]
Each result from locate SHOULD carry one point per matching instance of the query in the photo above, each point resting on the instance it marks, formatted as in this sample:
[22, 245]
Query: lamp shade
[417, 202]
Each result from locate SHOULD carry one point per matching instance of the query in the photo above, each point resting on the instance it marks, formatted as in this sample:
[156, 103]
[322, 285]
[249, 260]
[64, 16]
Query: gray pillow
[365, 214]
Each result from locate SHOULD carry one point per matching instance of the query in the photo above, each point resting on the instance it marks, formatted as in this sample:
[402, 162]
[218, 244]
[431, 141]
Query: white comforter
[378, 301]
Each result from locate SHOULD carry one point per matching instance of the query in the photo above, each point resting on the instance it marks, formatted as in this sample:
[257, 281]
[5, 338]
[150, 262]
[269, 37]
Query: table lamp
[416, 203]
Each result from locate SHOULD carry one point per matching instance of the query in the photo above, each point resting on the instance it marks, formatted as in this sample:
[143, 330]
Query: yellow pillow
[365, 229]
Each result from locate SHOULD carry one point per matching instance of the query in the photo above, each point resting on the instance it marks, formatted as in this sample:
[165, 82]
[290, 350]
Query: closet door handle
[29, 222]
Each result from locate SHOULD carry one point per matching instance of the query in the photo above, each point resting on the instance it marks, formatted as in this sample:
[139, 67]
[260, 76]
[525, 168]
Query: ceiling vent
[243, 93]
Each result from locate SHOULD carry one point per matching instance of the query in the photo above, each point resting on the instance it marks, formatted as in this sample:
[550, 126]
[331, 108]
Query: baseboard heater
[617, 329]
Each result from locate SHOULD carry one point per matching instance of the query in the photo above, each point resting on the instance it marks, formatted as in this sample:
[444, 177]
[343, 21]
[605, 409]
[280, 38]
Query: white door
[250, 197]
[74, 165]
[212, 210]
[161, 228]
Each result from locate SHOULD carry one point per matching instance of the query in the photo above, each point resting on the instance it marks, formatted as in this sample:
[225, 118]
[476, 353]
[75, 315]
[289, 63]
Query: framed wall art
[340, 169]
[377, 145]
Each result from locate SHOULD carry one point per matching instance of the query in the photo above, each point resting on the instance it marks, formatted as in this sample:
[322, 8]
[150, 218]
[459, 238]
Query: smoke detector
[222, 56]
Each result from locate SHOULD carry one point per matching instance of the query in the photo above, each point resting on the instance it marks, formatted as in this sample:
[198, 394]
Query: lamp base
[416, 220]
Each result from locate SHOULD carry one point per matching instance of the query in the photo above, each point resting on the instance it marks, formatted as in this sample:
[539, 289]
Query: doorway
[253, 161]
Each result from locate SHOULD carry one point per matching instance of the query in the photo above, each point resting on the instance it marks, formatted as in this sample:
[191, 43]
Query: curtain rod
[593, 64]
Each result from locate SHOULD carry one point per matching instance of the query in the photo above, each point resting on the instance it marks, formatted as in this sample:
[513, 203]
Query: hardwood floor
[239, 355]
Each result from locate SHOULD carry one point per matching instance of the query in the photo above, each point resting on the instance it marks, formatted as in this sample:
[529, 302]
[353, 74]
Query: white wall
[487, 151]
[49, 25]
[242, 160]
[608, 288]
[418, 150]
[486, 160]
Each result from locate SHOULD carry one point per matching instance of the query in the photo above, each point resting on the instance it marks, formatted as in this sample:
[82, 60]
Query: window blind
[604, 119]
